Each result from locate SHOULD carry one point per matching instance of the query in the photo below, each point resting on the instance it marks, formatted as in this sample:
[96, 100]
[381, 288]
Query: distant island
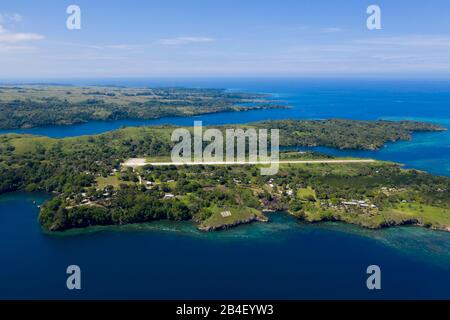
[30, 106]
[92, 186]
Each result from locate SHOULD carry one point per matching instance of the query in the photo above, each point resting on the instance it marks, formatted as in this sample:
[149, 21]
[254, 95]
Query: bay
[281, 259]
[167, 260]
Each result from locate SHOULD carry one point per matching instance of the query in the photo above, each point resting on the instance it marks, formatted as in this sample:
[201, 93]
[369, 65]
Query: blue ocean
[313, 99]
[283, 259]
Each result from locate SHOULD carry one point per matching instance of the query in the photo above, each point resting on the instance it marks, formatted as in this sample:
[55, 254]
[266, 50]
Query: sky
[231, 38]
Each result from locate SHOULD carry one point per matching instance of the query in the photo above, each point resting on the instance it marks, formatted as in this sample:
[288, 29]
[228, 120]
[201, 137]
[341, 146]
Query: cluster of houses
[358, 203]
[389, 191]
[88, 200]
[351, 205]
[288, 191]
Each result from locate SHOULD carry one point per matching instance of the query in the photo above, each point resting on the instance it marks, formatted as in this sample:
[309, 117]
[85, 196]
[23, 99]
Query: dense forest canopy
[92, 188]
[373, 196]
[345, 134]
[30, 162]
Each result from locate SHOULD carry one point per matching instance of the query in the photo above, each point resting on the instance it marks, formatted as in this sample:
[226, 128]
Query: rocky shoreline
[225, 226]
[384, 225]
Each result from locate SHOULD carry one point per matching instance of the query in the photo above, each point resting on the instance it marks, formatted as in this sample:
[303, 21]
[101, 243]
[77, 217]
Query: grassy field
[427, 215]
[238, 215]
[29, 106]
[27, 143]
[430, 216]
[114, 181]
[109, 94]
[306, 193]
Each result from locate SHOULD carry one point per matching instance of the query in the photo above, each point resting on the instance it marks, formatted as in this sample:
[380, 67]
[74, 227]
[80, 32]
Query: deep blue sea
[281, 259]
[169, 260]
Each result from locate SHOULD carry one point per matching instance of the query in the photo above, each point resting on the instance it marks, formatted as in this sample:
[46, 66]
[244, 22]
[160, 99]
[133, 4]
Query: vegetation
[371, 195]
[230, 216]
[346, 134]
[92, 188]
[37, 106]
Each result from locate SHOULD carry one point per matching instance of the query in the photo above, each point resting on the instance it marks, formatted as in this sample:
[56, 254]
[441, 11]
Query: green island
[29, 106]
[92, 184]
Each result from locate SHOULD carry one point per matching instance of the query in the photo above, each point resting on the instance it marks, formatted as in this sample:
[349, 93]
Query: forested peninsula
[29, 106]
[92, 187]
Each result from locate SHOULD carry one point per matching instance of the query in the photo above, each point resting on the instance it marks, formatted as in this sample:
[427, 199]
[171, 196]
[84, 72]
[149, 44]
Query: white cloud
[10, 17]
[120, 46]
[16, 17]
[332, 30]
[12, 37]
[5, 48]
[413, 41]
[185, 40]
[8, 36]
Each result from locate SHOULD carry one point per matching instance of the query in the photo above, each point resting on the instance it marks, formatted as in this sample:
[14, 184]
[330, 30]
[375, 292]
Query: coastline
[388, 224]
[244, 253]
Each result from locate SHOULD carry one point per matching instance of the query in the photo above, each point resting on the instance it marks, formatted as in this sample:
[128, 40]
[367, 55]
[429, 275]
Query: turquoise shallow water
[281, 259]
[315, 99]
[429, 152]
